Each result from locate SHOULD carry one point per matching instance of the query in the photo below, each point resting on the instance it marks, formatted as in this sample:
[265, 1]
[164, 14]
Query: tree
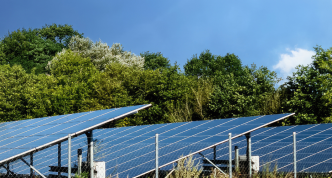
[34, 48]
[207, 65]
[161, 88]
[309, 90]
[58, 33]
[2, 54]
[76, 77]
[24, 95]
[239, 96]
[237, 90]
[154, 61]
[101, 54]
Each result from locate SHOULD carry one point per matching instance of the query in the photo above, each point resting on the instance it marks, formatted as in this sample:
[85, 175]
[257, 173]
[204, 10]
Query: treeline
[55, 70]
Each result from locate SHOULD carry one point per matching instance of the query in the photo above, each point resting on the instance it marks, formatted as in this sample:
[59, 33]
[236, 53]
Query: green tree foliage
[208, 65]
[155, 61]
[162, 88]
[2, 54]
[195, 104]
[237, 90]
[245, 95]
[75, 85]
[34, 48]
[85, 75]
[75, 77]
[24, 95]
[308, 91]
[60, 34]
[101, 54]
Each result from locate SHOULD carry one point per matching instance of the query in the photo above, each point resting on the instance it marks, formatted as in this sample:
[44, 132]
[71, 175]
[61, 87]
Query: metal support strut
[90, 152]
[59, 159]
[157, 156]
[79, 161]
[31, 163]
[33, 168]
[214, 153]
[212, 164]
[236, 148]
[230, 154]
[294, 153]
[69, 156]
[9, 172]
[248, 136]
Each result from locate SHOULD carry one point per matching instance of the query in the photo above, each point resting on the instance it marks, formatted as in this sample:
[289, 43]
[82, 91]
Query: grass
[186, 168]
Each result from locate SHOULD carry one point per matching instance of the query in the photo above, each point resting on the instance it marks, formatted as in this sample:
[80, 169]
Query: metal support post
[236, 148]
[294, 152]
[230, 154]
[157, 149]
[90, 152]
[79, 161]
[69, 156]
[214, 153]
[91, 155]
[248, 136]
[59, 159]
[31, 163]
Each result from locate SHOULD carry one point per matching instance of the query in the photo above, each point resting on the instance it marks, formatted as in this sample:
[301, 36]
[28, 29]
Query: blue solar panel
[274, 146]
[21, 137]
[131, 152]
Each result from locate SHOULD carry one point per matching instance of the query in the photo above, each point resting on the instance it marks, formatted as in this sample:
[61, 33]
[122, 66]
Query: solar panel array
[19, 138]
[130, 151]
[275, 146]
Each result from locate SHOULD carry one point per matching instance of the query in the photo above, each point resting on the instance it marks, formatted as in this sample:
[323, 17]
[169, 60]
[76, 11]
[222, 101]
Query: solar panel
[197, 137]
[20, 138]
[274, 146]
[314, 142]
[129, 151]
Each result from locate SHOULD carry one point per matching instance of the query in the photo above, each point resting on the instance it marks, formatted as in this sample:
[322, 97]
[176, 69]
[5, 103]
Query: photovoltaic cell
[19, 138]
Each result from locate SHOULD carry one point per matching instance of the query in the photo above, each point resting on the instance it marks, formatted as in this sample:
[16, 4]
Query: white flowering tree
[101, 54]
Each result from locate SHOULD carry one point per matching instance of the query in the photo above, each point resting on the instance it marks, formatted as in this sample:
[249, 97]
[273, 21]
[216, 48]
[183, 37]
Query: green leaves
[60, 34]
[34, 48]
[237, 90]
[155, 61]
[208, 65]
[23, 95]
[309, 90]
[161, 88]
[2, 55]
[92, 76]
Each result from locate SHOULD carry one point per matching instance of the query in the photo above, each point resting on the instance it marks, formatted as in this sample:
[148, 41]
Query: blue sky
[276, 34]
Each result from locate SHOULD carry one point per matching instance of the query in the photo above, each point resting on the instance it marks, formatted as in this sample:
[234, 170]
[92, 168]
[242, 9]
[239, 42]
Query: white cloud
[288, 62]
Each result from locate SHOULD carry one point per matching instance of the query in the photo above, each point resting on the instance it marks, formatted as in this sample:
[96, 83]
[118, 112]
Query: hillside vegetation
[56, 70]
